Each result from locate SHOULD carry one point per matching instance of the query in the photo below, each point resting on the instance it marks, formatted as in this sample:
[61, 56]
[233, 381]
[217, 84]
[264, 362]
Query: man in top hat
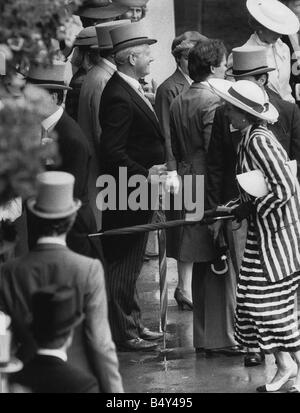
[52, 262]
[74, 158]
[83, 57]
[249, 63]
[54, 318]
[131, 138]
[94, 12]
[89, 102]
[137, 9]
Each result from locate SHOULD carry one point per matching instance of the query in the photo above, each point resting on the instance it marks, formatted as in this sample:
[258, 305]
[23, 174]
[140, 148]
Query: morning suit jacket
[221, 185]
[165, 94]
[88, 119]
[277, 214]
[92, 349]
[132, 138]
[75, 159]
[50, 374]
[295, 67]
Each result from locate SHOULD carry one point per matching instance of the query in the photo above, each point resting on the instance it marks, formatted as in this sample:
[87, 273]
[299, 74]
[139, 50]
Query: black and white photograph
[149, 199]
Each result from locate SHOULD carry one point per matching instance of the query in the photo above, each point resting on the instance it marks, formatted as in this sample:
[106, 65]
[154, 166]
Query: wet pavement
[178, 369]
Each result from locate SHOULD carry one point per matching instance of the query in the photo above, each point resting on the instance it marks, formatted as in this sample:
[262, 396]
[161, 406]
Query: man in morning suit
[131, 138]
[52, 262]
[249, 63]
[74, 155]
[54, 318]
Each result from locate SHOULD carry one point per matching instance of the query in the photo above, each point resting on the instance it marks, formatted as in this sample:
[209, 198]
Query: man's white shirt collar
[109, 63]
[51, 240]
[53, 352]
[52, 120]
[130, 80]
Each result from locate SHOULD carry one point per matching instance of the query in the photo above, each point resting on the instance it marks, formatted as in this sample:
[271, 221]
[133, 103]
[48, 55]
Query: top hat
[48, 77]
[191, 37]
[131, 3]
[248, 60]
[86, 37]
[104, 41]
[129, 35]
[55, 196]
[247, 96]
[274, 15]
[54, 312]
[101, 9]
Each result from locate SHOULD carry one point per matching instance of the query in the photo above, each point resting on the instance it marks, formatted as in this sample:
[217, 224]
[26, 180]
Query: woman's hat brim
[229, 72]
[221, 89]
[132, 43]
[31, 203]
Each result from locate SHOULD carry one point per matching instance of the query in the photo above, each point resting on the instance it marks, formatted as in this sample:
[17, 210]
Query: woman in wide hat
[270, 19]
[266, 316]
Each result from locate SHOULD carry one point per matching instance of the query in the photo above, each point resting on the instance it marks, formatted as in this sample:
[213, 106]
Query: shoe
[272, 387]
[183, 302]
[294, 389]
[232, 351]
[253, 359]
[147, 334]
[136, 344]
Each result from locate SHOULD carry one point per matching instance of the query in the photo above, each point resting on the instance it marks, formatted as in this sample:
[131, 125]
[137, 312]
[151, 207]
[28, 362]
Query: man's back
[92, 348]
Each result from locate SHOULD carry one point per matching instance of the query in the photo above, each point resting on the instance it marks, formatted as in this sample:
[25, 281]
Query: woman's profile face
[268, 36]
[219, 71]
[236, 117]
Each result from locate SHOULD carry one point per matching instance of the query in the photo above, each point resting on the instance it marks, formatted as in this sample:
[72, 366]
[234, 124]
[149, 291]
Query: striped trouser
[124, 309]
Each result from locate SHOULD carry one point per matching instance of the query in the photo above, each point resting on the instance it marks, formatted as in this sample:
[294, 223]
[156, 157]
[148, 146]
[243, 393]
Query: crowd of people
[222, 114]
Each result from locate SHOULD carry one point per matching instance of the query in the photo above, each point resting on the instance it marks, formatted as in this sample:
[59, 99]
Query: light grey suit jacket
[88, 119]
[92, 349]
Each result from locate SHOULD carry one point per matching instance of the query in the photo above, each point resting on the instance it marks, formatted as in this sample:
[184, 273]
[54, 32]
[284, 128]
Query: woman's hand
[243, 211]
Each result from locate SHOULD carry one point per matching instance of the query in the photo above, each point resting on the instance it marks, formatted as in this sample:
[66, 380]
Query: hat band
[248, 102]
[241, 72]
[131, 40]
[38, 208]
[42, 82]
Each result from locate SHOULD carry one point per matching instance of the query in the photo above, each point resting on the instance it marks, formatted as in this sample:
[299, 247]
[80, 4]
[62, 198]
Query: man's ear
[131, 59]
[54, 97]
[212, 69]
[262, 81]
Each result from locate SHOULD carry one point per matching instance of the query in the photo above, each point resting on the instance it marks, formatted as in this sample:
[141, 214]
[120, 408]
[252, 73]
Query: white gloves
[172, 183]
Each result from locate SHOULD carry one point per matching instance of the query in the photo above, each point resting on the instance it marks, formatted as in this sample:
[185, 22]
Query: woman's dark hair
[254, 24]
[204, 55]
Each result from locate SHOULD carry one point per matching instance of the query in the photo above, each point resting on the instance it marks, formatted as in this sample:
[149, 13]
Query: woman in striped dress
[266, 314]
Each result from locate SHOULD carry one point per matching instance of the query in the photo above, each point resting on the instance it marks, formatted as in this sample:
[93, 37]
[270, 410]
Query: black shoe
[136, 344]
[253, 359]
[183, 302]
[232, 351]
[147, 334]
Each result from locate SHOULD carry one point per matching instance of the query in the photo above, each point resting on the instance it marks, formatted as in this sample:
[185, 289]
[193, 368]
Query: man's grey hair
[121, 57]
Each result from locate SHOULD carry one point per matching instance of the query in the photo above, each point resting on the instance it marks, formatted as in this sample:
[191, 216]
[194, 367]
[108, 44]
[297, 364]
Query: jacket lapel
[139, 101]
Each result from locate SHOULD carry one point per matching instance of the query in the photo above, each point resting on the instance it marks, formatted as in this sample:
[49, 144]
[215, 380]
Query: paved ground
[180, 370]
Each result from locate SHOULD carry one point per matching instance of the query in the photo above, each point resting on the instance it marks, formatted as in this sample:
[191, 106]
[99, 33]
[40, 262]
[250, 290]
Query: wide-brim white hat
[274, 15]
[247, 96]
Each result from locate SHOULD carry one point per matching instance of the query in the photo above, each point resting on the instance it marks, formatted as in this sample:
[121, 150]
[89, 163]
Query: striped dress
[266, 316]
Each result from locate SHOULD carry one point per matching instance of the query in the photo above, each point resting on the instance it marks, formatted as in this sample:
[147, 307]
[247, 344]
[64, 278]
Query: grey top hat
[101, 9]
[48, 77]
[103, 33]
[131, 3]
[129, 35]
[248, 60]
[55, 196]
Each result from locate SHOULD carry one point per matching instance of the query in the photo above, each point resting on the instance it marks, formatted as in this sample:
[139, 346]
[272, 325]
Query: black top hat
[54, 311]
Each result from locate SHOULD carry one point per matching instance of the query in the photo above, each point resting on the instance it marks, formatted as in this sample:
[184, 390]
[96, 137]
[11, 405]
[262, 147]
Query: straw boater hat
[274, 15]
[248, 60]
[129, 35]
[104, 41]
[101, 9]
[86, 37]
[55, 196]
[48, 77]
[247, 96]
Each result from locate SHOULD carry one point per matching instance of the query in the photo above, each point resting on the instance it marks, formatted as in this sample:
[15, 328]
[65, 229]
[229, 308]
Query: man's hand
[156, 171]
[172, 183]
